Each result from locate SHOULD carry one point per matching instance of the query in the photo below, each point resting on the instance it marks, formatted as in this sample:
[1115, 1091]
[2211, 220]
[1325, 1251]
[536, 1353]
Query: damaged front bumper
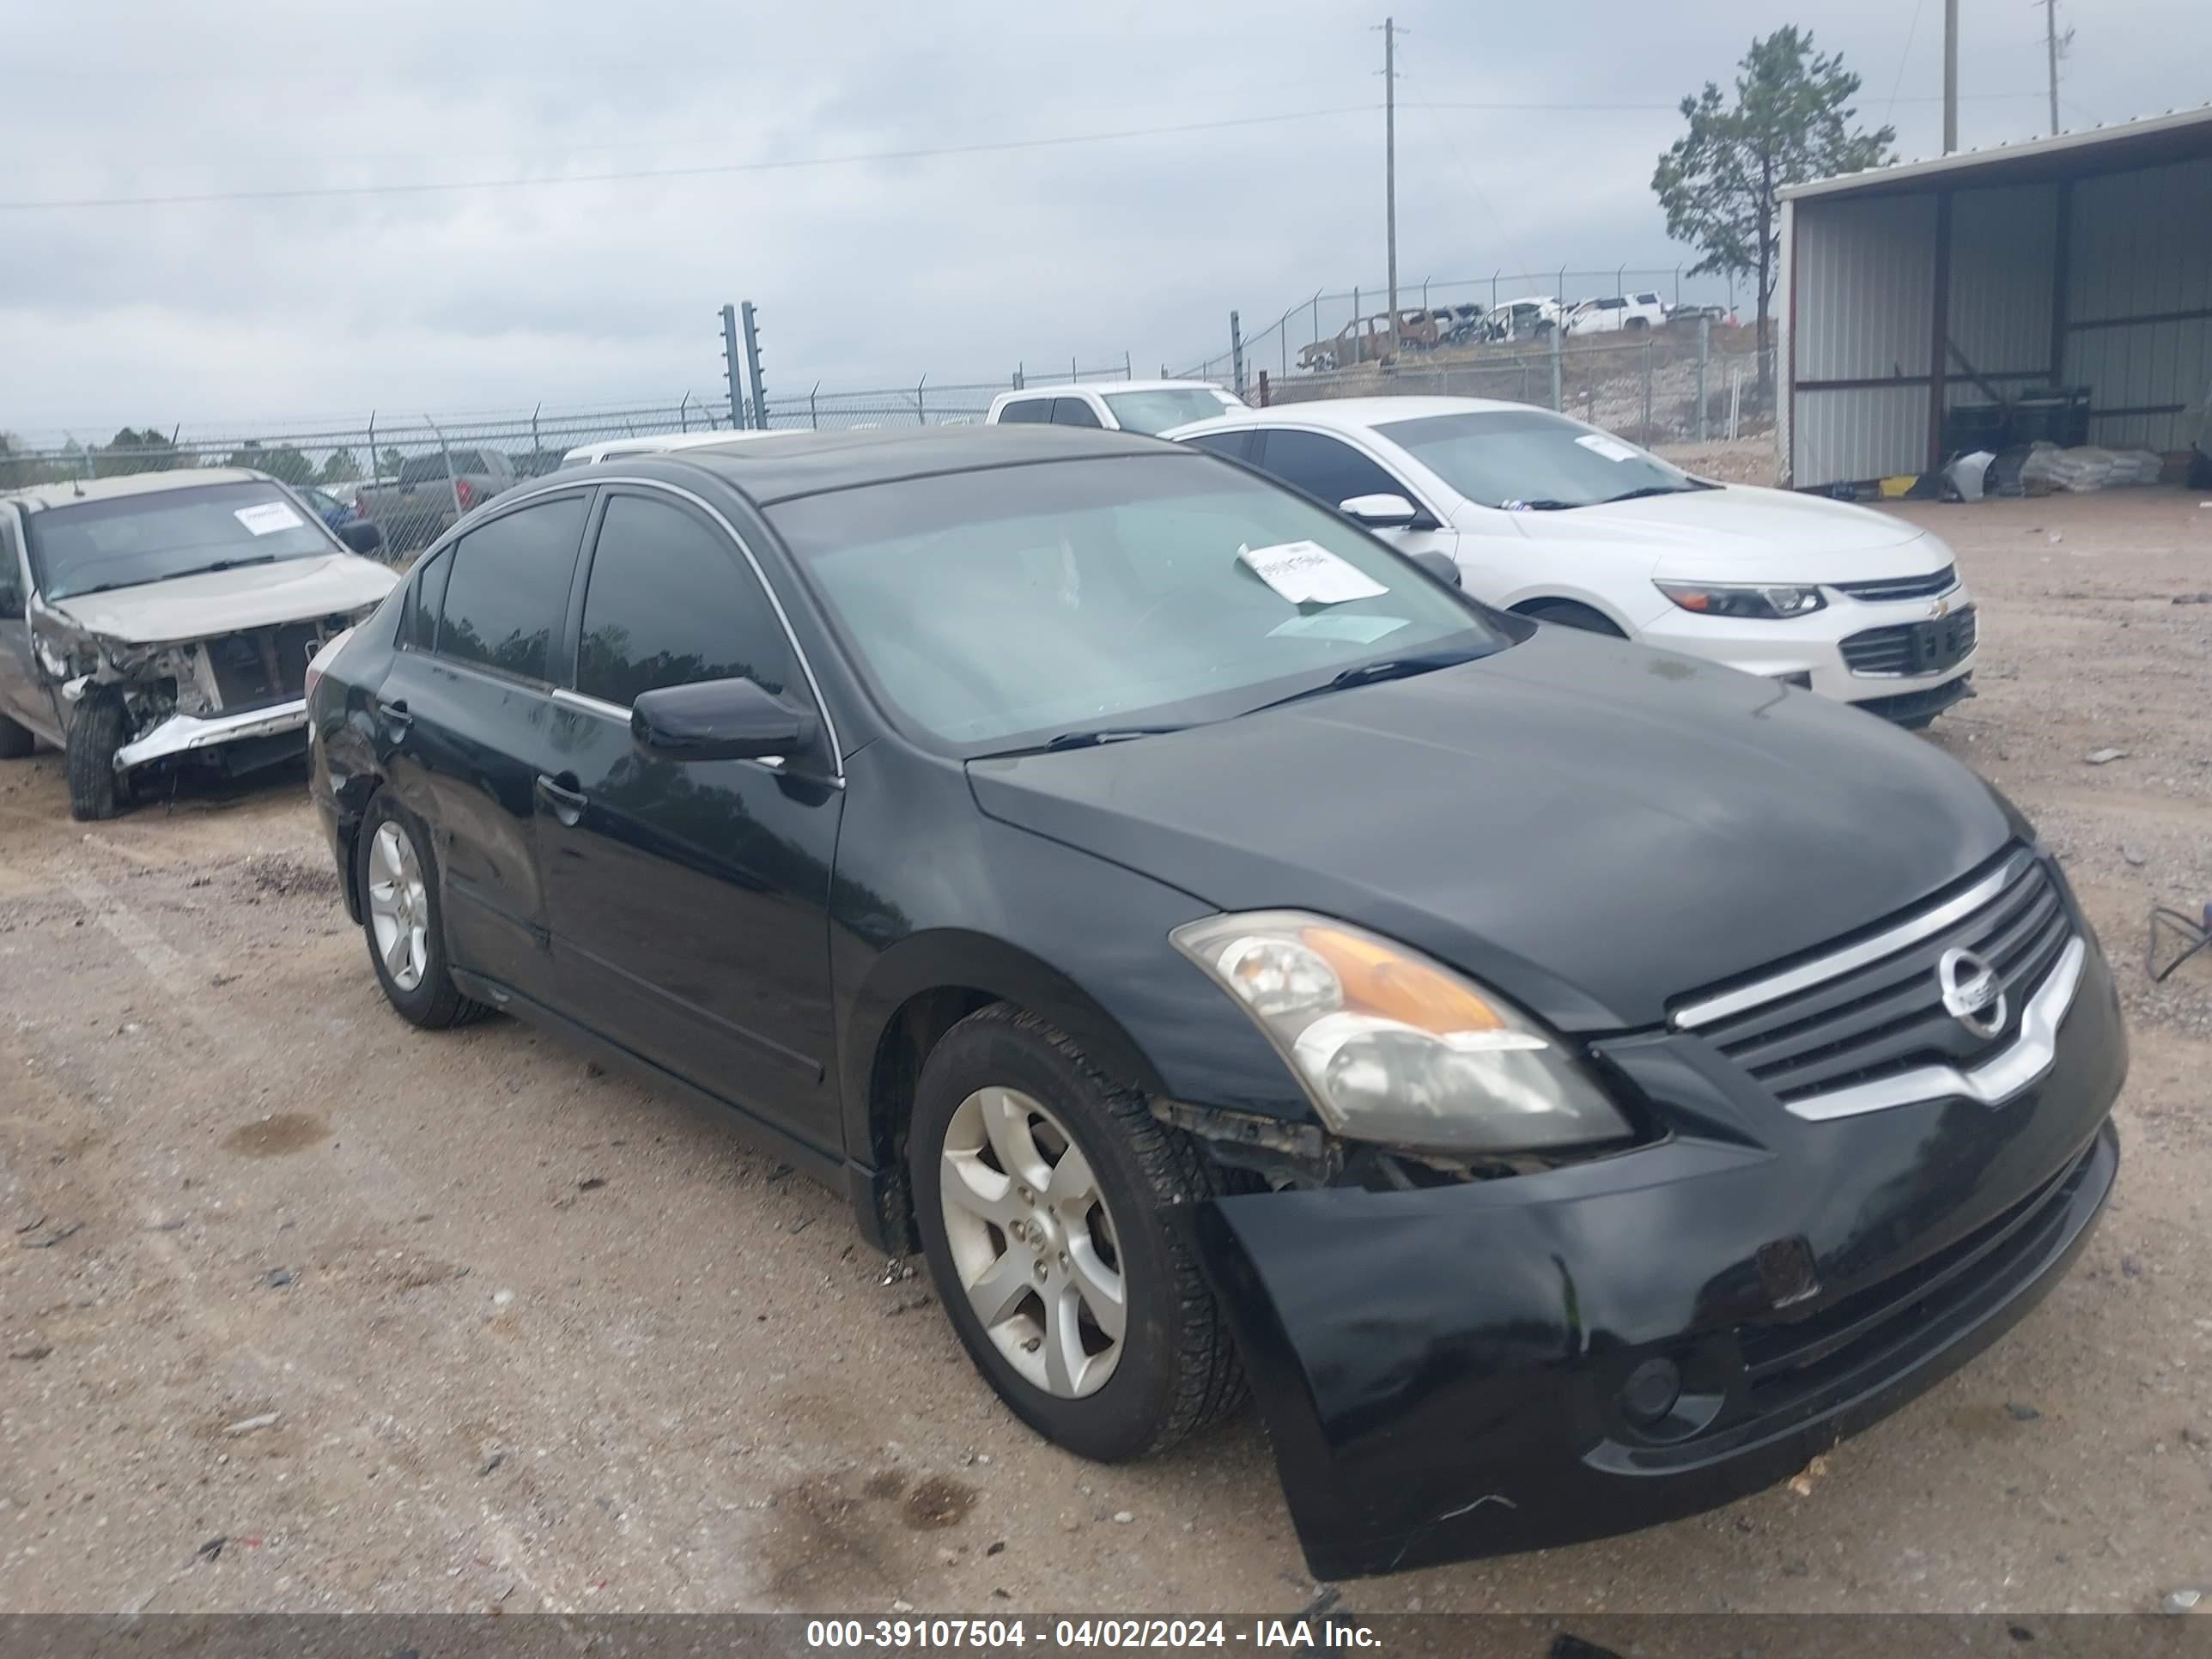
[1477, 1369]
[193, 734]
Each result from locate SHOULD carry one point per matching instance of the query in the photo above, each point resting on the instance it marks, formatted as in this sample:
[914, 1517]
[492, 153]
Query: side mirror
[362, 535]
[1383, 512]
[719, 720]
[1441, 565]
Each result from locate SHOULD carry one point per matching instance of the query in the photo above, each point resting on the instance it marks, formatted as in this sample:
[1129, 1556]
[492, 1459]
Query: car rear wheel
[96, 730]
[16, 741]
[1568, 614]
[1041, 1189]
[403, 920]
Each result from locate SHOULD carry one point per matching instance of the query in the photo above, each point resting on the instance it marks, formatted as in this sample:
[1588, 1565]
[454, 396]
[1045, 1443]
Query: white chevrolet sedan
[1557, 520]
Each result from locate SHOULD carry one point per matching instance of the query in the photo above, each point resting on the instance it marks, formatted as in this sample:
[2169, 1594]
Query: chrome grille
[1902, 587]
[1885, 1016]
[1921, 647]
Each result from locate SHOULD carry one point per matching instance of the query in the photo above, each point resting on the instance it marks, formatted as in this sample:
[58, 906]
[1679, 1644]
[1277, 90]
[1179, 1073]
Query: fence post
[1493, 290]
[453, 483]
[919, 417]
[1558, 403]
[683, 420]
[1647, 434]
[733, 365]
[1263, 388]
[1235, 355]
[814, 411]
[375, 471]
[1704, 354]
[534, 444]
[753, 366]
[1677, 288]
[1128, 373]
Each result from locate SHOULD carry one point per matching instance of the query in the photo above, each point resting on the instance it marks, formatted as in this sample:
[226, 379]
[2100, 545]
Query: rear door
[690, 899]
[467, 725]
[24, 695]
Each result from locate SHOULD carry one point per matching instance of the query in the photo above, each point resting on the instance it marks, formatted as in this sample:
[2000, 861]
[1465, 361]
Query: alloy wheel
[1033, 1242]
[398, 906]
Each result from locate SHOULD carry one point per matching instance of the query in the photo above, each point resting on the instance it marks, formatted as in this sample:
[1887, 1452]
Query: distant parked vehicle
[1118, 405]
[328, 508]
[658, 443]
[1460, 324]
[1370, 340]
[1629, 312]
[423, 503]
[1523, 319]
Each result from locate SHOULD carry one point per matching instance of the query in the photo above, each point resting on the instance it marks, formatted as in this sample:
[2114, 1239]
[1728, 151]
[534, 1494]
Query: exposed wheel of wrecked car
[1040, 1187]
[403, 922]
[16, 741]
[96, 732]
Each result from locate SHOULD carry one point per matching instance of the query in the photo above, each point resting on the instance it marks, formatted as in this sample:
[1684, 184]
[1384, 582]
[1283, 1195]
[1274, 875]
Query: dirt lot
[304, 1309]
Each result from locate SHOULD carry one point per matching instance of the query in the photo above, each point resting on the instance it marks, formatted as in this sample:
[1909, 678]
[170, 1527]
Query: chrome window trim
[775, 601]
[1837, 964]
[1993, 1082]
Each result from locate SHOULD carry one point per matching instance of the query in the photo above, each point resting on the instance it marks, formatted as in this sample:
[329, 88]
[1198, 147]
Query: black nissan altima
[1570, 1083]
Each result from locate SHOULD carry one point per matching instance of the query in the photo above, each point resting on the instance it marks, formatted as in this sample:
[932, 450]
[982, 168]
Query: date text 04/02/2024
[988, 1635]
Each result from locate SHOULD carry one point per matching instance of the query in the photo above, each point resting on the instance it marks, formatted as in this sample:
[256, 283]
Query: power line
[708, 170]
[1912, 33]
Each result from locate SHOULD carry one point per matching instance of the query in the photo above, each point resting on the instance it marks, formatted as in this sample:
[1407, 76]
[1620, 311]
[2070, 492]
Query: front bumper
[187, 734]
[1809, 651]
[1442, 1369]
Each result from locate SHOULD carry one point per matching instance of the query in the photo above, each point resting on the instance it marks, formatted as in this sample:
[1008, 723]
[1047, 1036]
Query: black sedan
[1572, 1083]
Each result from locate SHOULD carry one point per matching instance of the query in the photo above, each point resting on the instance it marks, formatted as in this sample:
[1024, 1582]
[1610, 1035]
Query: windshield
[1530, 458]
[87, 547]
[997, 609]
[1155, 411]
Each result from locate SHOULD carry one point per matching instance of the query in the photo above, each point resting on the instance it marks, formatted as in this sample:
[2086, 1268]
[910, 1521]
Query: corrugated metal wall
[2141, 247]
[1861, 281]
[1862, 284]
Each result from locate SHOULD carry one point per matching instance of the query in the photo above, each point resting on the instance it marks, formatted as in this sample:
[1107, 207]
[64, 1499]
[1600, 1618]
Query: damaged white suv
[165, 619]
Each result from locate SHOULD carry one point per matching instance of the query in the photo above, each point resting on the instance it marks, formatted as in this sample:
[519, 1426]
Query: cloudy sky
[264, 304]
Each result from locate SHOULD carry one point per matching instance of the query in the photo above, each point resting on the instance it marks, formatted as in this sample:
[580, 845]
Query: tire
[1568, 614]
[96, 730]
[16, 741]
[1173, 1369]
[392, 854]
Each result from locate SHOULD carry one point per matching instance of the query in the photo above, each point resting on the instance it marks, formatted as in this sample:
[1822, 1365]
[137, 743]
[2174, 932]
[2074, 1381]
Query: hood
[1762, 535]
[1590, 827]
[223, 601]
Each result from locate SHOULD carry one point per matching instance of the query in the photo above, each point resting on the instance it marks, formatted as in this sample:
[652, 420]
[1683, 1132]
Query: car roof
[131, 483]
[1105, 387]
[1346, 414]
[660, 442]
[811, 463]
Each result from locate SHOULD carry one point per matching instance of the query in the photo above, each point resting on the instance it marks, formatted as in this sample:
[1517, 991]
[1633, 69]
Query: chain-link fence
[1336, 331]
[1671, 384]
[412, 478]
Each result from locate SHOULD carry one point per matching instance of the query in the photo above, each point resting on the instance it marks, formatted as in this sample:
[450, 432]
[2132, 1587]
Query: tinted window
[1236, 446]
[1073, 411]
[670, 601]
[426, 598]
[1329, 470]
[1155, 411]
[1025, 411]
[508, 587]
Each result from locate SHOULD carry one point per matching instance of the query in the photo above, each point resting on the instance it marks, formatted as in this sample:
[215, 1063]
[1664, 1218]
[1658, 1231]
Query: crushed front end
[1843, 1193]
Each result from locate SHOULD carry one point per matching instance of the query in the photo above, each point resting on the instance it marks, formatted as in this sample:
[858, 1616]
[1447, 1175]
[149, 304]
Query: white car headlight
[1393, 1048]
[1768, 602]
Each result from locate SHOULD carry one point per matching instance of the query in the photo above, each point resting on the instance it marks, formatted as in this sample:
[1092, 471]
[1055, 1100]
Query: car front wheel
[1041, 1189]
[96, 732]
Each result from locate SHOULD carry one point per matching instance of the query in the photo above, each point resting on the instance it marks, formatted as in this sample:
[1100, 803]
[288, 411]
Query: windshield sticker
[1327, 625]
[1306, 573]
[1600, 443]
[267, 518]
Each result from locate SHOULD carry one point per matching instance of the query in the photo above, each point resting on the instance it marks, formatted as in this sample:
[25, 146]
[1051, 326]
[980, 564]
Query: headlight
[1392, 1048]
[1722, 599]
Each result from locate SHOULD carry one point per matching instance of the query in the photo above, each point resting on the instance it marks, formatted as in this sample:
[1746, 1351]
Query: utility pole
[731, 367]
[753, 366]
[2054, 44]
[1950, 75]
[1390, 165]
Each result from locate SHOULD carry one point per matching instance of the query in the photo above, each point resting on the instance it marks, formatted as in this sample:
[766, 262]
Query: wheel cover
[1033, 1243]
[398, 906]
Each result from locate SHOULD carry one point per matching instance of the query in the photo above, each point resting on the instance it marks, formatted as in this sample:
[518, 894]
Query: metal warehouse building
[2081, 263]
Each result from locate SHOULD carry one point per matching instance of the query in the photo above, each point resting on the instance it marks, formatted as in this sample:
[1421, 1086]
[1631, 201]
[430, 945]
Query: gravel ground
[303, 1310]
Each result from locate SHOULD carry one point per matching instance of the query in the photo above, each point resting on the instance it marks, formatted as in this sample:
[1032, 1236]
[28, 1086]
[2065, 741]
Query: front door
[690, 899]
[24, 695]
[1332, 472]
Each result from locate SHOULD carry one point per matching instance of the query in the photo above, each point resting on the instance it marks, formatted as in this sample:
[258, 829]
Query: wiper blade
[1541, 506]
[1369, 673]
[1647, 491]
[1092, 739]
[224, 564]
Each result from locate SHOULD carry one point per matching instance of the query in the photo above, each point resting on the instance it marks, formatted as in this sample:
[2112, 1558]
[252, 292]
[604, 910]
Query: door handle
[567, 803]
[395, 712]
